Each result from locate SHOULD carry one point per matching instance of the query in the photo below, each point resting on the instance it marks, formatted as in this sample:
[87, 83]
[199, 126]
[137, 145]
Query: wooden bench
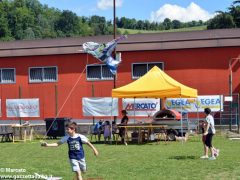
[6, 137]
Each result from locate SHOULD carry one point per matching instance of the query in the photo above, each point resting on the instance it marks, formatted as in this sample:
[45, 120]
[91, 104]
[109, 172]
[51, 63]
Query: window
[42, 74]
[99, 72]
[139, 69]
[7, 75]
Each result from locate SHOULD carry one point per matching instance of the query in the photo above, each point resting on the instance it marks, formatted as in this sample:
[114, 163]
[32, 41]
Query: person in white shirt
[209, 132]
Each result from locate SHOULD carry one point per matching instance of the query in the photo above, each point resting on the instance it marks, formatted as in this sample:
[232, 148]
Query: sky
[152, 10]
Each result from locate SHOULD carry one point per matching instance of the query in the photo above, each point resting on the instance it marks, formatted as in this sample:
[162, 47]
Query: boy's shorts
[78, 165]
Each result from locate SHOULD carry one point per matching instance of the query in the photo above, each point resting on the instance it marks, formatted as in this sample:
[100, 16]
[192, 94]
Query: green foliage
[230, 19]
[167, 23]
[221, 21]
[4, 31]
[176, 24]
[29, 19]
[235, 12]
[68, 23]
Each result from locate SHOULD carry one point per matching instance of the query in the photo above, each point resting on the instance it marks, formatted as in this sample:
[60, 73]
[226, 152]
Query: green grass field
[133, 31]
[173, 160]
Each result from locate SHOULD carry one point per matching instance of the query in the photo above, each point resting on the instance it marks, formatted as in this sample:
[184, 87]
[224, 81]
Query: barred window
[7, 75]
[42, 74]
[99, 72]
[139, 69]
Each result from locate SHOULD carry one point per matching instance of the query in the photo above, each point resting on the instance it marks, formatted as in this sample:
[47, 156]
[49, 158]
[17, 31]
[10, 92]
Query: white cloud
[190, 13]
[107, 4]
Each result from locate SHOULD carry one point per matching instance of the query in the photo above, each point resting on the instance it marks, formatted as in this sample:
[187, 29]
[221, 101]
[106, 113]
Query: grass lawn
[134, 31]
[174, 160]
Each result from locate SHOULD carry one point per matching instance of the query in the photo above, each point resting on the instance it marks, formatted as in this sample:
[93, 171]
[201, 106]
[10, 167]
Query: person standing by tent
[124, 122]
[209, 132]
[107, 131]
[98, 128]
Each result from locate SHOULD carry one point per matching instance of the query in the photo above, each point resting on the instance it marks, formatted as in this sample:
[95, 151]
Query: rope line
[69, 94]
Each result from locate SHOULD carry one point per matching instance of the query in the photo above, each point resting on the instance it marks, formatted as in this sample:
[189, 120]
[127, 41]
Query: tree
[176, 24]
[68, 23]
[85, 29]
[99, 25]
[140, 24]
[147, 25]
[234, 10]
[122, 22]
[47, 21]
[19, 3]
[4, 31]
[28, 34]
[221, 21]
[133, 23]
[20, 19]
[167, 23]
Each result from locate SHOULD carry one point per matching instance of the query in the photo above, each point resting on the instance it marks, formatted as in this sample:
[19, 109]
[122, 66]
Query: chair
[115, 134]
[6, 136]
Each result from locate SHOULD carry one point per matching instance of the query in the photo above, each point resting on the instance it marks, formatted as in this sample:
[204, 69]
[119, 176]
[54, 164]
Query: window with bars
[42, 74]
[139, 69]
[7, 75]
[99, 72]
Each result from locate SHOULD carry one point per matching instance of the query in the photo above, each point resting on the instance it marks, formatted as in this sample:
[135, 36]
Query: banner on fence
[141, 106]
[22, 107]
[98, 106]
[214, 102]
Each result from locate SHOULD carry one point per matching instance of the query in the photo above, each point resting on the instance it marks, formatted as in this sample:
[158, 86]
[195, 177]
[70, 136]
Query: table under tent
[155, 84]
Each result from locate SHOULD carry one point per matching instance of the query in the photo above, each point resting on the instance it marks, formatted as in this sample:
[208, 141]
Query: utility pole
[231, 62]
[114, 37]
[114, 53]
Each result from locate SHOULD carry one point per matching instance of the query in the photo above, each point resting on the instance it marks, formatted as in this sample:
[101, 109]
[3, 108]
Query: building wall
[206, 69]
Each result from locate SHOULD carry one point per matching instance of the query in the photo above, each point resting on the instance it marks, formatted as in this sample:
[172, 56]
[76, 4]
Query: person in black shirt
[124, 122]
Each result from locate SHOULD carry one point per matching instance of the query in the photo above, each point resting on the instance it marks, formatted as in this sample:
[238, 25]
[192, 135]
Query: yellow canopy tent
[154, 84]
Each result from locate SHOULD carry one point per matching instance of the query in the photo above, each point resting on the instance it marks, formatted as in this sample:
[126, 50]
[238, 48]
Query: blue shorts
[78, 165]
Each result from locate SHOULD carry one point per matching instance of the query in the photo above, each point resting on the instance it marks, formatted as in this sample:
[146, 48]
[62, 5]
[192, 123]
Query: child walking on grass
[75, 149]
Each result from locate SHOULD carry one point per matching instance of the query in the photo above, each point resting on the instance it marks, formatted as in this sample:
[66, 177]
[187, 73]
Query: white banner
[22, 107]
[141, 106]
[98, 106]
[214, 102]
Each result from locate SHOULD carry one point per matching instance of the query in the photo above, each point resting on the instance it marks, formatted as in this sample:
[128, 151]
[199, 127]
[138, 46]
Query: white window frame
[147, 64]
[14, 76]
[101, 76]
[43, 80]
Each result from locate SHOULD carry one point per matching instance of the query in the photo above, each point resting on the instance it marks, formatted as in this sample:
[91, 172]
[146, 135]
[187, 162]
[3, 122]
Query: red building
[59, 75]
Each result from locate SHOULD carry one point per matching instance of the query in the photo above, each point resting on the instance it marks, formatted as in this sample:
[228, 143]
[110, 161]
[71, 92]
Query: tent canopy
[154, 84]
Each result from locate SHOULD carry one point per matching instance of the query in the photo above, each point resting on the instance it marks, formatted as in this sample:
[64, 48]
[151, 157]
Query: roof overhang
[137, 42]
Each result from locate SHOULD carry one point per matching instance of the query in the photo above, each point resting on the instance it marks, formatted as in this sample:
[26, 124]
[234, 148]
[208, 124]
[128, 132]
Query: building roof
[136, 42]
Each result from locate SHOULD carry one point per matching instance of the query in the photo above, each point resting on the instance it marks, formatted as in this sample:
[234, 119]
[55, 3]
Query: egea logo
[141, 106]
